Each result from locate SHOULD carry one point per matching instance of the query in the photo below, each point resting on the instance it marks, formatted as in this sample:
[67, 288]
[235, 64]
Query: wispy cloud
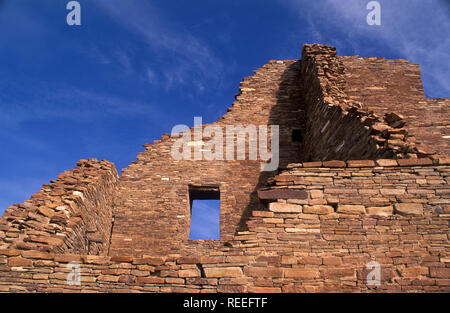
[185, 58]
[416, 30]
[45, 100]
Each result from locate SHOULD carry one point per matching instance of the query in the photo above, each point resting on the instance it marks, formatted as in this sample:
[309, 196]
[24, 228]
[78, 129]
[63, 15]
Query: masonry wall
[70, 215]
[320, 244]
[364, 185]
[385, 86]
[152, 213]
[342, 127]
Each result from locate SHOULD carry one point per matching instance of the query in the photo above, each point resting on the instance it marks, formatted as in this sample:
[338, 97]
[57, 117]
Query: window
[205, 212]
[297, 135]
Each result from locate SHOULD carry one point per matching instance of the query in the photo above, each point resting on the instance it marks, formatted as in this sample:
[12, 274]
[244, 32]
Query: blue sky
[136, 68]
[205, 219]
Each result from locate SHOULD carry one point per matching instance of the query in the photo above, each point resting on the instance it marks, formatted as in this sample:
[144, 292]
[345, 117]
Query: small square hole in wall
[297, 135]
[205, 213]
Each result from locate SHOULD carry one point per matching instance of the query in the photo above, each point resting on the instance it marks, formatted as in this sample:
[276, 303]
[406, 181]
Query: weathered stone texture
[367, 182]
[70, 215]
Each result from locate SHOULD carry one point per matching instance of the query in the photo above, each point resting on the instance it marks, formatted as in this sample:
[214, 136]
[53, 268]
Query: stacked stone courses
[369, 181]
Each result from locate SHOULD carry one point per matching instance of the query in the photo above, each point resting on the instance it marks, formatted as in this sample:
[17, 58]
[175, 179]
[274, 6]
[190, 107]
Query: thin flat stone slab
[282, 194]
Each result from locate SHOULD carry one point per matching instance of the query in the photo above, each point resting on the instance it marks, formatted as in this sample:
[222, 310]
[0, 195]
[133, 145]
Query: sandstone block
[312, 164]
[386, 162]
[264, 289]
[301, 273]
[414, 162]
[381, 211]
[334, 163]
[409, 208]
[392, 192]
[273, 220]
[191, 272]
[440, 272]
[413, 272]
[316, 194]
[36, 255]
[339, 272]
[318, 209]
[150, 280]
[19, 262]
[284, 207]
[263, 271]
[218, 272]
[262, 214]
[351, 209]
[361, 163]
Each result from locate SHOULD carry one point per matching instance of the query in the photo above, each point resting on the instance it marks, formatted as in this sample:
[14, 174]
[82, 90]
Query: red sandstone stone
[312, 164]
[334, 163]
[361, 163]
[218, 272]
[19, 262]
[301, 273]
[414, 162]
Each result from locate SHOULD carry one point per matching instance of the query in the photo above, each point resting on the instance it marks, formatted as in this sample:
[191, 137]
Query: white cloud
[43, 100]
[415, 30]
[191, 59]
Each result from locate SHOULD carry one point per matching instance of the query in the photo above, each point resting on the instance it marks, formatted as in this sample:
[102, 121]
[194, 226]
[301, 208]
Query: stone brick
[273, 220]
[351, 209]
[409, 208]
[19, 262]
[150, 280]
[339, 272]
[318, 209]
[392, 191]
[191, 272]
[264, 289]
[360, 163]
[301, 273]
[263, 271]
[334, 163]
[414, 162]
[284, 208]
[386, 162]
[381, 211]
[218, 272]
[440, 272]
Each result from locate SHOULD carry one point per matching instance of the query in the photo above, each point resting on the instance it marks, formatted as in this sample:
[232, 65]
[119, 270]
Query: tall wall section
[152, 214]
[340, 126]
[384, 86]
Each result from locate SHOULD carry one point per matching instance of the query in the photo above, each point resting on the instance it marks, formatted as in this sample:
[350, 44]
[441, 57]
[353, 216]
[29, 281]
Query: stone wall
[395, 86]
[366, 183]
[153, 209]
[356, 212]
[70, 215]
[340, 128]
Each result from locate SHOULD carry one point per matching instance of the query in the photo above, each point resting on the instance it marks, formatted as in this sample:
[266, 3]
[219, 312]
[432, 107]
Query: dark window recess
[297, 135]
[205, 212]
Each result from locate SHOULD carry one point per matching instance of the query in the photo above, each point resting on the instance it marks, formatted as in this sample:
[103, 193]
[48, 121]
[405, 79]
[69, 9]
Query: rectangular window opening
[297, 135]
[205, 212]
